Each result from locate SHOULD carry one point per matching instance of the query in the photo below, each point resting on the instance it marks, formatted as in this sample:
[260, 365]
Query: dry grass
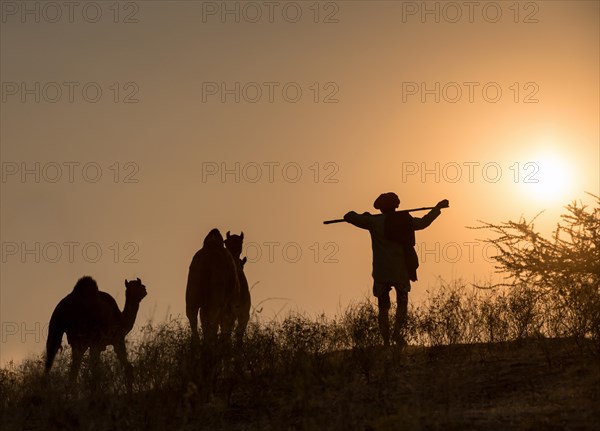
[476, 360]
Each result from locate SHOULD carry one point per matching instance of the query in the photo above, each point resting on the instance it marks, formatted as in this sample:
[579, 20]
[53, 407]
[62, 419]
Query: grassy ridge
[477, 359]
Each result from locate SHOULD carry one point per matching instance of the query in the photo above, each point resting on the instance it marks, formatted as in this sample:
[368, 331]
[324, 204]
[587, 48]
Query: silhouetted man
[394, 259]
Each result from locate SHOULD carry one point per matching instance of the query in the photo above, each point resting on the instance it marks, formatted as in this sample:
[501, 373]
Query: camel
[242, 302]
[212, 286]
[92, 319]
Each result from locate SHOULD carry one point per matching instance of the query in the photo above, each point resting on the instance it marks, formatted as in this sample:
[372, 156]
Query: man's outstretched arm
[423, 222]
[362, 221]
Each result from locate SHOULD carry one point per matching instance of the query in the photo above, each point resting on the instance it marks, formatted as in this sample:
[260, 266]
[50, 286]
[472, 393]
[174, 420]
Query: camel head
[234, 244]
[135, 290]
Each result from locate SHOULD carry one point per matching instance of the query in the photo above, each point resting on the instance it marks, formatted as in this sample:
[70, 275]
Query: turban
[387, 201]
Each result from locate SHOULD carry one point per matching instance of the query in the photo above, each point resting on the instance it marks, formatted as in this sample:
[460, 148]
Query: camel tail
[55, 332]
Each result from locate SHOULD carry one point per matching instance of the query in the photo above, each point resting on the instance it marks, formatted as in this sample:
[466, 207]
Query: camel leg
[243, 316]
[209, 327]
[95, 366]
[77, 355]
[227, 324]
[192, 315]
[121, 352]
[209, 344]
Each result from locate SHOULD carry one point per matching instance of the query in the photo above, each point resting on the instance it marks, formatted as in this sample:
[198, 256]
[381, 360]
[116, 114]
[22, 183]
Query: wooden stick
[341, 220]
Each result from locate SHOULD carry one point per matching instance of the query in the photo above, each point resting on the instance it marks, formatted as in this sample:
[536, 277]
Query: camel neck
[129, 314]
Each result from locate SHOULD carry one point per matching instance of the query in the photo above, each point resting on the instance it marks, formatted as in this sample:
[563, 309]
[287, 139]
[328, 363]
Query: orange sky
[299, 162]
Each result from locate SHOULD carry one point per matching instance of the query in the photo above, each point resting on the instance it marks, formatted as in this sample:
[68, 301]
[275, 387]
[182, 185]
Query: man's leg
[401, 312]
[382, 292]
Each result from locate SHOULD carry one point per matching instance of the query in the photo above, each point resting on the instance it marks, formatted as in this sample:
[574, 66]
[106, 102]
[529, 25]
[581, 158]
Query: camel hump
[85, 286]
[214, 239]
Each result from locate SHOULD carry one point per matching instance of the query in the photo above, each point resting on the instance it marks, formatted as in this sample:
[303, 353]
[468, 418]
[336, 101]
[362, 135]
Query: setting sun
[548, 174]
[548, 177]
